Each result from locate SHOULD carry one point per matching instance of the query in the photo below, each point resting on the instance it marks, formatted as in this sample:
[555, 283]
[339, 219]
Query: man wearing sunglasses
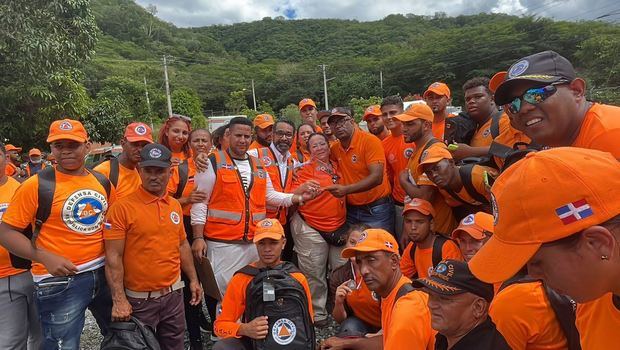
[546, 100]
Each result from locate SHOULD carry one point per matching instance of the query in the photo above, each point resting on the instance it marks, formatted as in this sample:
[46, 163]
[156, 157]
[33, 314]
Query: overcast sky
[195, 13]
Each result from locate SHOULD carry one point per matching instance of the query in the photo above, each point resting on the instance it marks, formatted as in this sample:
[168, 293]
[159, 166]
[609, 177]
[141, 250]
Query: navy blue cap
[155, 154]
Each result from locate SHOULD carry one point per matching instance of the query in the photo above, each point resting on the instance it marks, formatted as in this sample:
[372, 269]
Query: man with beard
[323, 117]
[374, 117]
[263, 131]
[437, 96]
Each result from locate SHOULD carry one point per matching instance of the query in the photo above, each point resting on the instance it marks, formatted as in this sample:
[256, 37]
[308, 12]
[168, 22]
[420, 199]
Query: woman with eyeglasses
[303, 133]
[319, 227]
[174, 134]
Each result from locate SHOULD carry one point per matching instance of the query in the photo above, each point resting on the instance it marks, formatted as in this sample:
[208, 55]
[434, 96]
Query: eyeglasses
[337, 122]
[534, 96]
[180, 116]
[283, 134]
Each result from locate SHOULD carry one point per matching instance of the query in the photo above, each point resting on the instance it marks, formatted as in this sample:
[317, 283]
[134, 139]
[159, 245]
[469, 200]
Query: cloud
[193, 13]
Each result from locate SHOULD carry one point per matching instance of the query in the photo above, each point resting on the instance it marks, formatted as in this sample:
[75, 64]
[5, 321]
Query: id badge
[269, 291]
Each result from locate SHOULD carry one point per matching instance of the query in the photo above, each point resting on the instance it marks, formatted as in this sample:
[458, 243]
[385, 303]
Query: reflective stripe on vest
[222, 214]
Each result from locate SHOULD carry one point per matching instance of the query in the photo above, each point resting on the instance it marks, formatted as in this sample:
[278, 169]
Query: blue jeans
[62, 303]
[378, 214]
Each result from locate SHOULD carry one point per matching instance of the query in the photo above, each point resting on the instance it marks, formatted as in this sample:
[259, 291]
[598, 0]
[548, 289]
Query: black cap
[452, 277]
[323, 114]
[543, 67]
[155, 154]
[339, 112]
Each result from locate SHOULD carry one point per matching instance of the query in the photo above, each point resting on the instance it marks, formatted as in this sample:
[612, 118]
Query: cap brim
[66, 137]
[351, 251]
[432, 160]
[306, 105]
[138, 139]
[370, 115]
[502, 94]
[424, 212]
[34, 154]
[497, 261]
[405, 117]
[274, 236]
[155, 163]
[264, 125]
[437, 92]
[437, 287]
[334, 116]
[475, 234]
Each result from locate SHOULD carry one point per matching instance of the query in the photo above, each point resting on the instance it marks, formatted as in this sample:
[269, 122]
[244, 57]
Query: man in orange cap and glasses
[263, 131]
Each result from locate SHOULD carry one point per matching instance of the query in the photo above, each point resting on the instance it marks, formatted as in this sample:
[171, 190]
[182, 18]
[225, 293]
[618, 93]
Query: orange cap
[67, 129]
[263, 120]
[306, 102]
[10, 147]
[372, 240]
[419, 205]
[545, 197]
[497, 79]
[138, 132]
[432, 155]
[34, 152]
[372, 110]
[268, 228]
[417, 111]
[439, 88]
[478, 226]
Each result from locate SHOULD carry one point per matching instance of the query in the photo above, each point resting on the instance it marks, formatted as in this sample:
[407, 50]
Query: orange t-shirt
[525, 318]
[74, 227]
[477, 179]
[509, 137]
[325, 212]
[233, 305]
[128, 179]
[365, 149]
[598, 323]
[179, 155]
[152, 228]
[600, 129]
[397, 154]
[364, 305]
[424, 258]
[483, 136]
[6, 194]
[439, 129]
[406, 323]
[10, 169]
[173, 183]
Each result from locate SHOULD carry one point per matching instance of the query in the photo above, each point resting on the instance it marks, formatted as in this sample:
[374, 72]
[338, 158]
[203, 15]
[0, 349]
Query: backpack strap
[429, 144]
[465, 172]
[498, 150]
[103, 181]
[438, 249]
[46, 188]
[249, 270]
[564, 309]
[404, 290]
[183, 169]
[300, 155]
[114, 171]
[495, 124]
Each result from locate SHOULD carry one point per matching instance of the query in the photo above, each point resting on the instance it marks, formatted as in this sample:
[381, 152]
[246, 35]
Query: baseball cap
[339, 112]
[372, 240]
[155, 154]
[478, 226]
[10, 147]
[542, 198]
[67, 129]
[263, 120]
[268, 228]
[496, 80]
[439, 88]
[372, 110]
[417, 111]
[34, 152]
[323, 114]
[432, 155]
[543, 67]
[419, 205]
[453, 277]
[306, 102]
[138, 132]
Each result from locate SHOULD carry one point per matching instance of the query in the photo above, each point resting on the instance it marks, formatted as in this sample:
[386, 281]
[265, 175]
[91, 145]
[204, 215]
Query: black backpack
[436, 254]
[132, 335]
[290, 322]
[459, 129]
[563, 307]
[46, 188]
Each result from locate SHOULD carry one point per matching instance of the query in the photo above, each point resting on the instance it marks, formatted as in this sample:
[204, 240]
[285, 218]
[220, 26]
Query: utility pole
[253, 95]
[148, 102]
[381, 81]
[325, 85]
[167, 87]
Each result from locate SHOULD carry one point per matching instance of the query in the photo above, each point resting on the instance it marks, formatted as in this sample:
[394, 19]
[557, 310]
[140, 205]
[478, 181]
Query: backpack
[46, 188]
[563, 307]
[290, 322]
[459, 129]
[488, 159]
[132, 335]
[437, 251]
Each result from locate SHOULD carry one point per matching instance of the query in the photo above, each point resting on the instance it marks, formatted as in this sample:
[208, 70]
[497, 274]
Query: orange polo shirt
[424, 258]
[233, 305]
[509, 137]
[483, 136]
[152, 228]
[600, 129]
[325, 212]
[6, 194]
[74, 227]
[523, 315]
[598, 323]
[397, 154]
[128, 179]
[173, 183]
[365, 149]
[406, 323]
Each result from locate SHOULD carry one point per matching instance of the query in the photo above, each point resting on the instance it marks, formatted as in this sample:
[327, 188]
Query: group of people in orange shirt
[413, 235]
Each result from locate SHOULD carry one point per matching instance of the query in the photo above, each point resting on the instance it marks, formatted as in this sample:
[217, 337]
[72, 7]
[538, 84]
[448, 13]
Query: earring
[604, 257]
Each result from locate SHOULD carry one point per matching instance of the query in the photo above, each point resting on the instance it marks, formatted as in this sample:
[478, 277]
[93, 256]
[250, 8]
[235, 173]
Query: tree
[291, 112]
[358, 105]
[186, 101]
[106, 120]
[236, 101]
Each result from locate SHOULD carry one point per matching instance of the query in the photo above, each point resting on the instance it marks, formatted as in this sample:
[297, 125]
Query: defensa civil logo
[83, 211]
[283, 331]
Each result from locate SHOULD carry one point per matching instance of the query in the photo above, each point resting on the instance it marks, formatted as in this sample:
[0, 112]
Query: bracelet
[201, 237]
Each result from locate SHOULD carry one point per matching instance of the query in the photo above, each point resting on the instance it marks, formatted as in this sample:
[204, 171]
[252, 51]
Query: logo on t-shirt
[83, 211]
[408, 153]
[486, 132]
[283, 331]
[175, 218]
[3, 207]
[354, 158]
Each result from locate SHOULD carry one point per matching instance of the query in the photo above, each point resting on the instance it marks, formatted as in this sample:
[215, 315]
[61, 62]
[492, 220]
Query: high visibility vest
[233, 213]
[268, 158]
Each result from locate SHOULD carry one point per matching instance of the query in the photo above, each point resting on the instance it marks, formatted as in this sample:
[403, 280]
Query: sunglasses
[182, 117]
[534, 96]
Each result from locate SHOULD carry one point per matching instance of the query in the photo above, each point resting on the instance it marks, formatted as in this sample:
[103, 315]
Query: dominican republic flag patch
[574, 211]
